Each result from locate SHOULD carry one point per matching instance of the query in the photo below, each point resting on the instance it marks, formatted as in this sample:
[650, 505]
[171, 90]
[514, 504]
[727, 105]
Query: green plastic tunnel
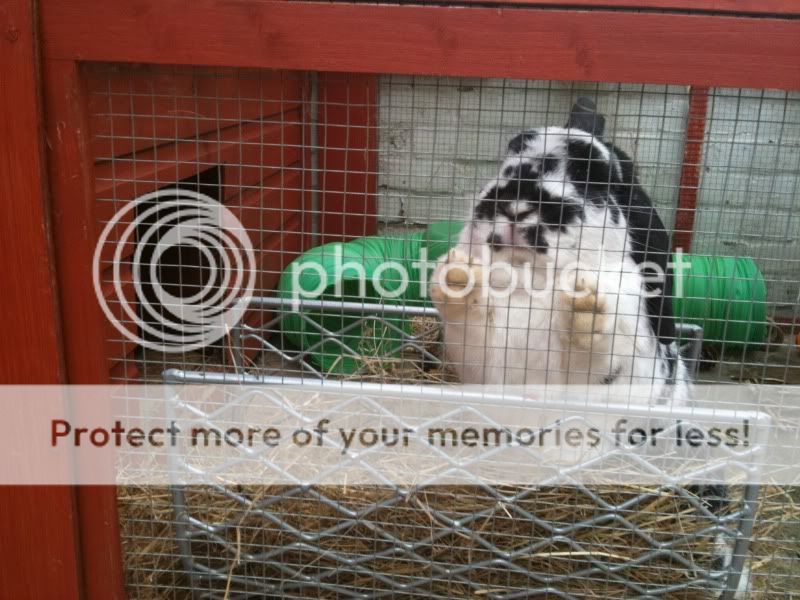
[726, 296]
[334, 272]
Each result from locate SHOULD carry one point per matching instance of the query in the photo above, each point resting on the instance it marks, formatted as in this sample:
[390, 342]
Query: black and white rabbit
[558, 248]
[554, 278]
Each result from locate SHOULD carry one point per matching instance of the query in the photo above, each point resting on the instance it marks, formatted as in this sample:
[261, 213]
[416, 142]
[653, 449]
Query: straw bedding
[154, 569]
[511, 519]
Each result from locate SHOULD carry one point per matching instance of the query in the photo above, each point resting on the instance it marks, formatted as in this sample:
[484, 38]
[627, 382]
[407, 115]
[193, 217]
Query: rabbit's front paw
[587, 318]
[457, 281]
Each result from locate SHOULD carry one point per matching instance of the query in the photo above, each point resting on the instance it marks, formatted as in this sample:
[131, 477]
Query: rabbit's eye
[535, 238]
[495, 241]
[522, 215]
[485, 211]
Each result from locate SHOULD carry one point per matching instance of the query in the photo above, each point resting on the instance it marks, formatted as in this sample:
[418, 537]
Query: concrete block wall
[749, 197]
[441, 139]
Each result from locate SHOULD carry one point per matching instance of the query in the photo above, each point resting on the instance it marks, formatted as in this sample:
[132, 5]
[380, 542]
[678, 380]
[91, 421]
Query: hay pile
[235, 528]
[405, 366]
[240, 533]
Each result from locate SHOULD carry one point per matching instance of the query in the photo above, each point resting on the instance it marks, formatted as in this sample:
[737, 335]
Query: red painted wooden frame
[39, 549]
[683, 231]
[741, 7]
[349, 156]
[83, 322]
[533, 40]
[531, 43]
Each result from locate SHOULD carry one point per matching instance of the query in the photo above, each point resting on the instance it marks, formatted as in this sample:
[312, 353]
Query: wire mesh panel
[396, 554]
[502, 541]
[346, 173]
[235, 137]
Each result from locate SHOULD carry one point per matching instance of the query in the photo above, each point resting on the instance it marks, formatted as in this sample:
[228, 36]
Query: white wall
[749, 200]
[441, 139]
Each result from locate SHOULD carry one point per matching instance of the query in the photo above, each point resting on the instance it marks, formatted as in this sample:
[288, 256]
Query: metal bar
[177, 376]
[365, 308]
[313, 111]
[742, 544]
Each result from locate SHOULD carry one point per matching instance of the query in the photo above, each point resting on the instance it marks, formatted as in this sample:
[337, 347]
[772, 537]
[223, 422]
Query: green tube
[726, 296]
[321, 271]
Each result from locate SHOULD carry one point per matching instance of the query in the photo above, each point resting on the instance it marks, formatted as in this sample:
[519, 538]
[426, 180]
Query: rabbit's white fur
[587, 319]
[574, 308]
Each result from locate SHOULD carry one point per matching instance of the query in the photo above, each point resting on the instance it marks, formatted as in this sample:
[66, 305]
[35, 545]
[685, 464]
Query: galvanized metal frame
[735, 527]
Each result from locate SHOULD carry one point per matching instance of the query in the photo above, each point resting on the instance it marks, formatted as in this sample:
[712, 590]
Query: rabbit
[553, 279]
[554, 276]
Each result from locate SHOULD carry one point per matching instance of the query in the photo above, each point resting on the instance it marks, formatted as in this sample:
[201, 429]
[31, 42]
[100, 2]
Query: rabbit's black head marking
[567, 189]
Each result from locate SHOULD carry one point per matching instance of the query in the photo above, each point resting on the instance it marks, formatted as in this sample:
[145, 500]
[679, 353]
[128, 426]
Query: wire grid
[283, 150]
[446, 541]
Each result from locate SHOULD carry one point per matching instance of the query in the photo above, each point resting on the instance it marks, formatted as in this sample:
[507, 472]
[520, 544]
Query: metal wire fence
[364, 171]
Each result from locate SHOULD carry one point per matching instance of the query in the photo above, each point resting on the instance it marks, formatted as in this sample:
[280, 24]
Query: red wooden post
[38, 551]
[83, 323]
[348, 139]
[690, 171]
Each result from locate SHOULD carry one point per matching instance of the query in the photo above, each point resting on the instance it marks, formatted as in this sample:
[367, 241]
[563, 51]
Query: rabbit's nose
[495, 241]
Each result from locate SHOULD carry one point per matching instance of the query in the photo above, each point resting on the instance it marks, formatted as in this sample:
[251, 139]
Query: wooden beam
[690, 169]
[38, 554]
[740, 7]
[75, 234]
[348, 138]
[528, 43]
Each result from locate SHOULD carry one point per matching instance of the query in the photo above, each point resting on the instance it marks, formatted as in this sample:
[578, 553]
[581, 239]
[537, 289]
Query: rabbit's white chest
[518, 326]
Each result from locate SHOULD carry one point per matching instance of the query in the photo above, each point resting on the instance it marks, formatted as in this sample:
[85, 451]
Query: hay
[244, 523]
[237, 518]
[150, 553]
[153, 566]
[408, 365]
[775, 569]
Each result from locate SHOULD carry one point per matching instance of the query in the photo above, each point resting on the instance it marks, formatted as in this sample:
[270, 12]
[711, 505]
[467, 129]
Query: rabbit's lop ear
[584, 116]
